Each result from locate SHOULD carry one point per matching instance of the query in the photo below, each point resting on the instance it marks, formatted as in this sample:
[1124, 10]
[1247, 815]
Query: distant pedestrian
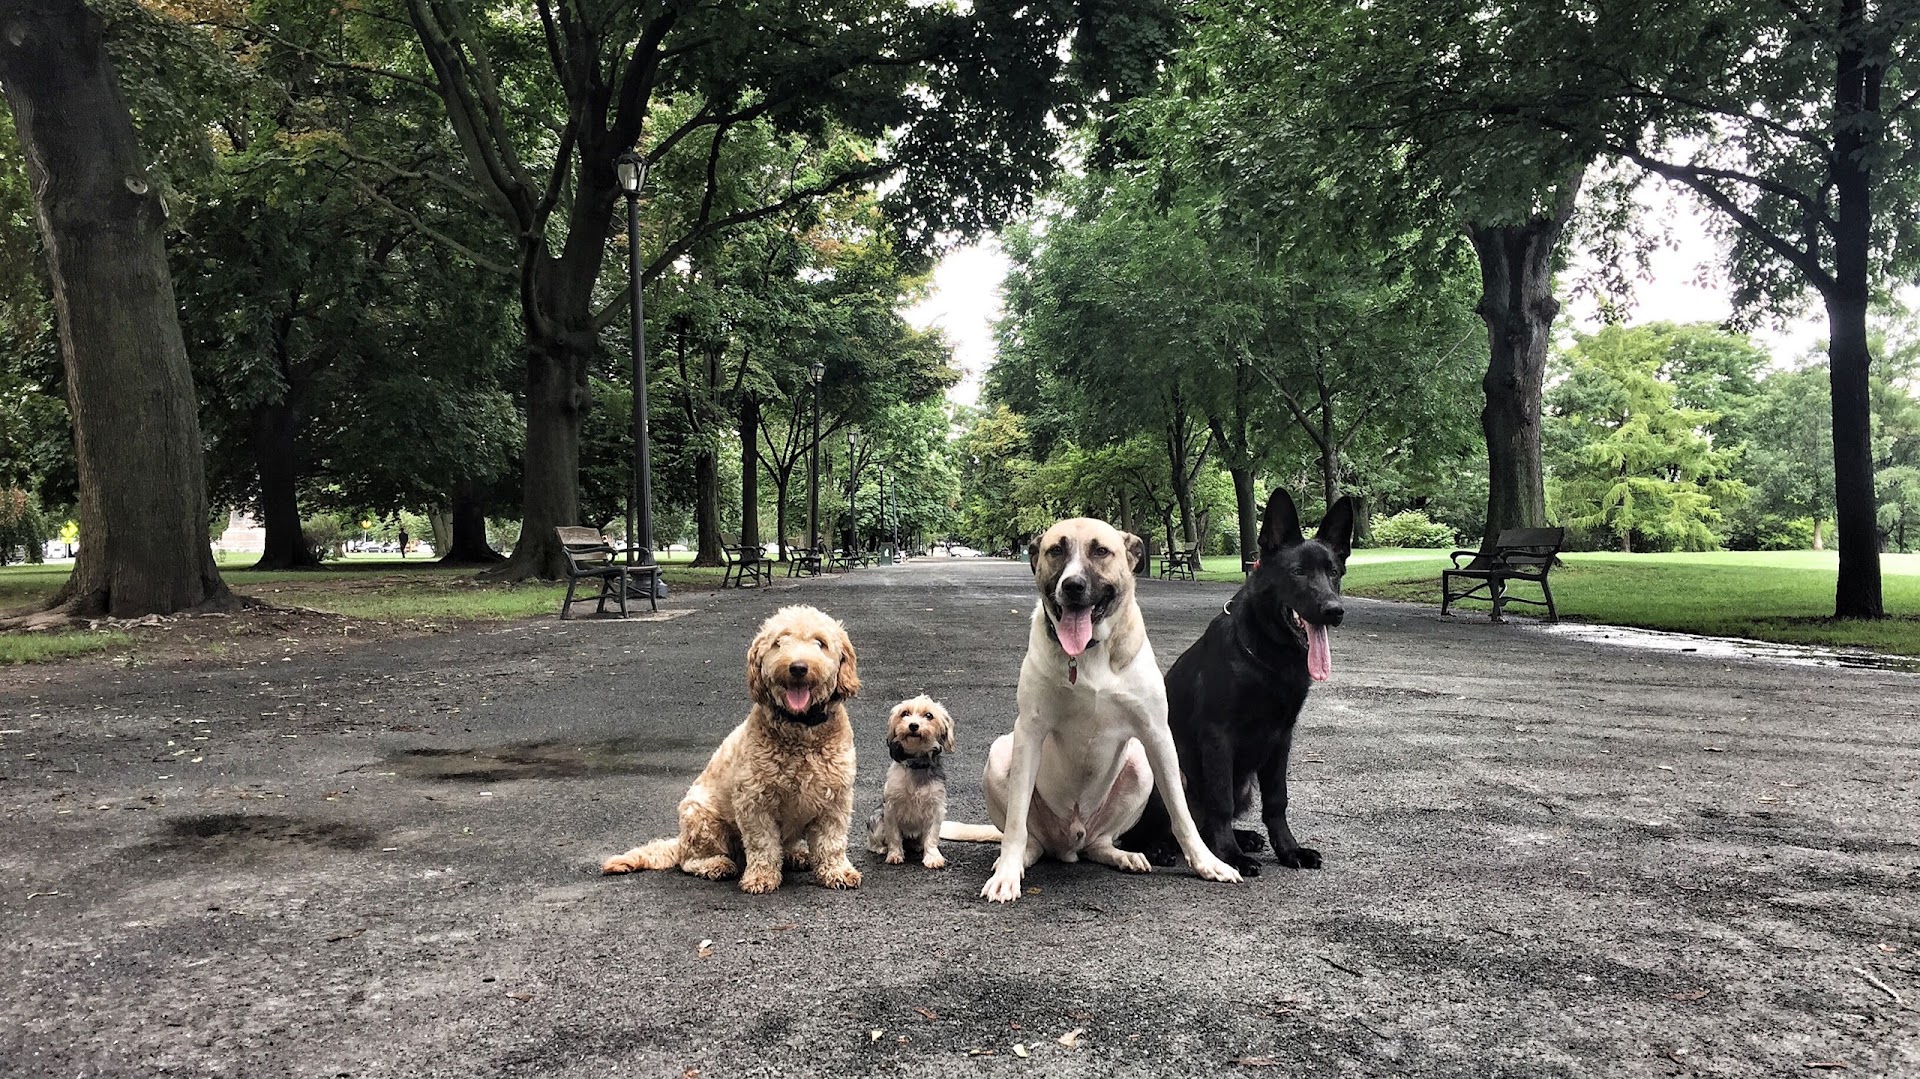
[404, 540]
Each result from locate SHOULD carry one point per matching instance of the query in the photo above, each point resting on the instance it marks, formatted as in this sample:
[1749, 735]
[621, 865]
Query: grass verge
[41, 647]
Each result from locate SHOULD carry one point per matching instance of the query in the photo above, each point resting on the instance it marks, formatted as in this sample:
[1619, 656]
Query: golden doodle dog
[918, 731]
[780, 788]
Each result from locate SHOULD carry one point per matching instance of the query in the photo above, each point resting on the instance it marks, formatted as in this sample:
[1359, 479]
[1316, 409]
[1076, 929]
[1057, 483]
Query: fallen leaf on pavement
[928, 1014]
[521, 996]
[1019, 1050]
[1830, 1065]
[874, 1035]
[1071, 1039]
[1696, 994]
[784, 926]
[704, 949]
[979, 1052]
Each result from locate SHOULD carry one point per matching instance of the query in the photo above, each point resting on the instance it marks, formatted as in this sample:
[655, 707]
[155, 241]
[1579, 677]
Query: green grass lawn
[378, 588]
[1783, 596]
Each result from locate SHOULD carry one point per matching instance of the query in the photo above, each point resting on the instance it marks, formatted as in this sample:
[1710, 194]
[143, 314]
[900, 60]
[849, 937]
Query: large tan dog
[780, 788]
[1091, 738]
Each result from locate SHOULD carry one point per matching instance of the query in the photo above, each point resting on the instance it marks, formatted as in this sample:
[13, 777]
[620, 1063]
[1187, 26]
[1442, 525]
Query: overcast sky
[965, 297]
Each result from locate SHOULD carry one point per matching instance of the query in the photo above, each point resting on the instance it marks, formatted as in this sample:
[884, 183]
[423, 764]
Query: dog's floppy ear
[849, 679]
[946, 727]
[1136, 550]
[1336, 529]
[1033, 554]
[1280, 525]
[757, 651]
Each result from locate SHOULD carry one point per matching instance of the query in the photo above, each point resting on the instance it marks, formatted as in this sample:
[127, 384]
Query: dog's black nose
[913, 728]
[1073, 588]
[1333, 615]
[798, 670]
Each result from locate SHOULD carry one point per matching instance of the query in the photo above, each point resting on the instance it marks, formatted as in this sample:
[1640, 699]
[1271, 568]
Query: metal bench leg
[624, 589]
[1498, 589]
[1446, 593]
[566, 605]
[1552, 614]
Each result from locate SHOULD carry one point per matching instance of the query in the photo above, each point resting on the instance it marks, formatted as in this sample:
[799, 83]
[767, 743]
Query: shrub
[324, 533]
[1410, 528]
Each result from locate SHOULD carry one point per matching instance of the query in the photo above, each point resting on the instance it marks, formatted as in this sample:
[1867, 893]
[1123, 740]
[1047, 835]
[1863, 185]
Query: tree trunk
[706, 508]
[750, 468]
[1246, 512]
[1855, 148]
[1819, 534]
[1517, 304]
[557, 402]
[467, 545]
[1857, 589]
[272, 434]
[136, 432]
[1626, 542]
[440, 523]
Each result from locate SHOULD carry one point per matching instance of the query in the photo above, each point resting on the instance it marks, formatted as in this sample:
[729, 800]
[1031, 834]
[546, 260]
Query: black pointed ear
[1336, 529]
[1280, 525]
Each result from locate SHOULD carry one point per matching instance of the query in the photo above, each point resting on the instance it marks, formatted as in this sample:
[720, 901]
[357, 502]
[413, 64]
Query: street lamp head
[631, 169]
[816, 371]
[853, 435]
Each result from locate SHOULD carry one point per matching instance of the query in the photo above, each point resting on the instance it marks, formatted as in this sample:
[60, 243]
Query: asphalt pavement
[1545, 856]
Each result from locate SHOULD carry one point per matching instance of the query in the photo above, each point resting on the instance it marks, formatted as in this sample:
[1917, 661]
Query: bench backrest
[584, 546]
[1529, 545]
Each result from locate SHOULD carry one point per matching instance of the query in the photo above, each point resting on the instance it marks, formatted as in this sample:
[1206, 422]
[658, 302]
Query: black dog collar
[920, 763]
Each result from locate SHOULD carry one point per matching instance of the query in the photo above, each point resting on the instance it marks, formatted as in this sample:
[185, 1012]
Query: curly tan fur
[779, 789]
[915, 802]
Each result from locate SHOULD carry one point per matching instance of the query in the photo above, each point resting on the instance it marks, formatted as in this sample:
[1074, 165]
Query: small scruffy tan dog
[918, 731]
[780, 788]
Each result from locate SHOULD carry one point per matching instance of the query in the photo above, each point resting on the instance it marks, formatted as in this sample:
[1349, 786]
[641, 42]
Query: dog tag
[1073, 670]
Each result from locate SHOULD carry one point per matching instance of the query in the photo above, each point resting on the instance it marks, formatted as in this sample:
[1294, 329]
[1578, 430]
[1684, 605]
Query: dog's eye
[1299, 571]
[1100, 552]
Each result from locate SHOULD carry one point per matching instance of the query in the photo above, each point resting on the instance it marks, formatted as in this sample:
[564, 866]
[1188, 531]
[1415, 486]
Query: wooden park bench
[1519, 554]
[747, 566]
[1180, 562]
[802, 561]
[591, 558]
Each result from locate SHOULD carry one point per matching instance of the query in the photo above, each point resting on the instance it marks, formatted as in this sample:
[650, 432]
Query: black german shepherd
[1233, 698]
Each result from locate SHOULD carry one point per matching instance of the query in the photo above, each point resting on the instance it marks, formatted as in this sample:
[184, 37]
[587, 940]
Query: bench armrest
[1456, 557]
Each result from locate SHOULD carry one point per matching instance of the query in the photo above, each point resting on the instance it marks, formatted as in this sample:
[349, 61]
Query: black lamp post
[814, 372]
[853, 487]
[631, 169]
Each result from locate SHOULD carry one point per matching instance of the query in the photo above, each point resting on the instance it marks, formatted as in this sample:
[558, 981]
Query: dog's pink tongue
[1075, 630]
[797, 700]
[1319, 656]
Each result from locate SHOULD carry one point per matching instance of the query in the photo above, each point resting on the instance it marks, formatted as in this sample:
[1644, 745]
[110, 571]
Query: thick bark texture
[143, 502]
[467, 544]
[1517, 304]
[706, 508]
[273, 436]
[557, 402]
[1246, 512]
[749, 468]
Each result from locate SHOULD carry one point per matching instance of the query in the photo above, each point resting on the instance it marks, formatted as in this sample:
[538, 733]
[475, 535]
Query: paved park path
[1545, 857]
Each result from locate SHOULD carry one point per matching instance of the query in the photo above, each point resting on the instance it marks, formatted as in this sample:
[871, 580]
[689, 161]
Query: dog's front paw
[1163, 855]
[718, 867]
[1248, 867]
[843, 875]
[895, 857]
[1298, 858]
[1211, 868]
[1002, 887]
[620, 863]
[933, 859]
[1131, 862]
[1250, 841]
[759, 880]
[798, 858]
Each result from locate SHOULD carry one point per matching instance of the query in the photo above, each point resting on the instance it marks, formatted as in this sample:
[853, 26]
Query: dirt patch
[241, 833]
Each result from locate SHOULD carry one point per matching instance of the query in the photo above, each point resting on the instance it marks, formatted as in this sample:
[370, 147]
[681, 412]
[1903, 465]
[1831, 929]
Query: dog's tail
[969, 833]
[659, 854]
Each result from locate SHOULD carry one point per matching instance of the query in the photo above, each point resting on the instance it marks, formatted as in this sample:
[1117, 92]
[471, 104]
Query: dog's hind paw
[1250, 841]
[1298, 858]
